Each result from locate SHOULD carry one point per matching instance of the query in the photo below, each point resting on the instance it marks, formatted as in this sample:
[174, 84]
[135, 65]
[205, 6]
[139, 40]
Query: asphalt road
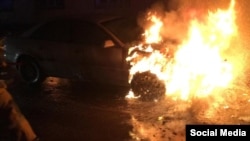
[62, 110]
[66, 110]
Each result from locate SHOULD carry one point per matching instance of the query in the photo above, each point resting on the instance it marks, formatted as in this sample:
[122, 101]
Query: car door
[52, 40]
[103, 64]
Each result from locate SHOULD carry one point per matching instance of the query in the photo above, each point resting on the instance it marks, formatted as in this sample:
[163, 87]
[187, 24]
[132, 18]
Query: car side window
[59, 31]
[88, 34]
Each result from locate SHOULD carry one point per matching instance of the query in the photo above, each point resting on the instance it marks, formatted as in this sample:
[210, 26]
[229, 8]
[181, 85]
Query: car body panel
[69, 58]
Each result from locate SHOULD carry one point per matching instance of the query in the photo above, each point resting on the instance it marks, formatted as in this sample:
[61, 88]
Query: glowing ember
[199, 63]
[130, 95]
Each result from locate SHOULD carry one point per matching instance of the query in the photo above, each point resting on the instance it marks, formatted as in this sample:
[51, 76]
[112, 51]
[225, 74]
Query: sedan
[88, 48]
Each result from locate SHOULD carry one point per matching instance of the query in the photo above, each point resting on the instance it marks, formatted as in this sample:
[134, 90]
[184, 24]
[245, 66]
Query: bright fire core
[199, 64]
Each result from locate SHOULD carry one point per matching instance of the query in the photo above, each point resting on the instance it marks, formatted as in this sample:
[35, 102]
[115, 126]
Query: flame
[199, 65]
[152, 34]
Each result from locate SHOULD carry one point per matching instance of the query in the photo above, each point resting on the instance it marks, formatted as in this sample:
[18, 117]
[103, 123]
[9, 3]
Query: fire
[198, 65]
[152, 34]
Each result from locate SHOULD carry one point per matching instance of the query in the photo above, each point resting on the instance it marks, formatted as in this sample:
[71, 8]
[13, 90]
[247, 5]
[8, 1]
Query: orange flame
[199, 65]
[152, 34]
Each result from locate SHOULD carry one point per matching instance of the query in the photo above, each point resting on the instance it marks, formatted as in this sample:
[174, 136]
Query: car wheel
[147, 86]
[30, 71]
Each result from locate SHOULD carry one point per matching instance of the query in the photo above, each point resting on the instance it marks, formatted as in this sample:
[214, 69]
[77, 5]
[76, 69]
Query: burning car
[94, 48]
[190, 57]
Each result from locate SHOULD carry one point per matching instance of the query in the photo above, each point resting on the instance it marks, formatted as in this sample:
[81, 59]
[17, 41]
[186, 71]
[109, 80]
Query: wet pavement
[73, 111]
[67, 110]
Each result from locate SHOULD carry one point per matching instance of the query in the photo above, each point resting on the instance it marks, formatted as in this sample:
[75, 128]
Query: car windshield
[126, 29]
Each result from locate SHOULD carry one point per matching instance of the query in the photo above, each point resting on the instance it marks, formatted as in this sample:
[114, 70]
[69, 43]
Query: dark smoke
[176, 15]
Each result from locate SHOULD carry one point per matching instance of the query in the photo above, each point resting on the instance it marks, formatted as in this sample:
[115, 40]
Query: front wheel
[147, 86]
[30, 71]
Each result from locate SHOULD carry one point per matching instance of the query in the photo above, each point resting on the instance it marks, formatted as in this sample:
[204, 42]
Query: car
[87, 48]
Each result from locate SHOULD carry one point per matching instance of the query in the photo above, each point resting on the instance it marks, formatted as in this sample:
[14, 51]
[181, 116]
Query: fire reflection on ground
[166, 119]
[56, 82]
[54, 86]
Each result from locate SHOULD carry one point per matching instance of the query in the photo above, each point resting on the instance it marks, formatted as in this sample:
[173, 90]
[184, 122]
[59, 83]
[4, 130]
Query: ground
[165, 120]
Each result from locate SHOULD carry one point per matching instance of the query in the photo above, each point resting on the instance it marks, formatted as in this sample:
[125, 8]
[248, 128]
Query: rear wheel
[147, 86]
[30, 71]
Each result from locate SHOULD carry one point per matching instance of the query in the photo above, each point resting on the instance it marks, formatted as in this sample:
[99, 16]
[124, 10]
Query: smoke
[174, 20]
[205, 4]
[176, 15]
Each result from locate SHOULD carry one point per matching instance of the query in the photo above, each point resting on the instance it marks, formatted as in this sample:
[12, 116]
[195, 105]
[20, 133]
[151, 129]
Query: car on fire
[92, 49]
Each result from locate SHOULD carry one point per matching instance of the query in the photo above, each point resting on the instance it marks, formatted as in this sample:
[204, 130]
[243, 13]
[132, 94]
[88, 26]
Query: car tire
[147, 86]
[30, 71]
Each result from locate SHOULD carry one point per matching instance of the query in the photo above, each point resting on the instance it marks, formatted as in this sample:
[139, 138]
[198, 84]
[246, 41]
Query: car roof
[90, 18]
[93, 18]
